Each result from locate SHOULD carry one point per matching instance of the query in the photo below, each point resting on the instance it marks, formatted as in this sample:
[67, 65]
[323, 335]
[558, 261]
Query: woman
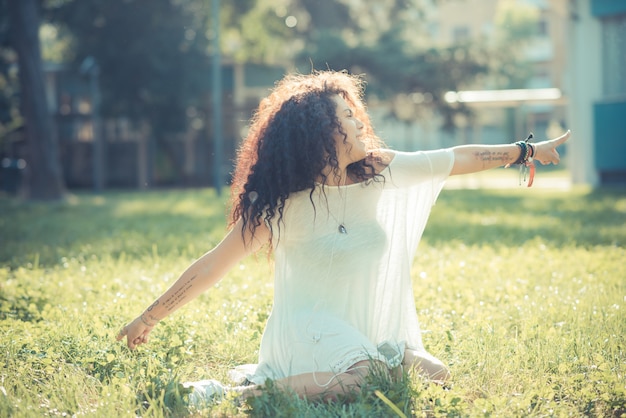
[343, 217]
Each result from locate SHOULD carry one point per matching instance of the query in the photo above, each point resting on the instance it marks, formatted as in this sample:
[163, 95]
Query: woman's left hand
[545, 151]
[136, 333]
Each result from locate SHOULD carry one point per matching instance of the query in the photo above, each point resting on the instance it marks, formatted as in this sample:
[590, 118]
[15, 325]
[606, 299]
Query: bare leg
[319, 386]
[429, 367]
[328, 385]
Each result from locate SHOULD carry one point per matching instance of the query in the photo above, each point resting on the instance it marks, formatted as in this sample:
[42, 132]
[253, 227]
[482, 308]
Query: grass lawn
[522, 292]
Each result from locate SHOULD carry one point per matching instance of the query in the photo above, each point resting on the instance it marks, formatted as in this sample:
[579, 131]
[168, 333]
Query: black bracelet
[523, 148]
[527, 151]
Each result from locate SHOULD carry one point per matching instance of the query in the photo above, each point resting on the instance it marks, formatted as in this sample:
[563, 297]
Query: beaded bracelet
[527, 150]
[523, 148]
[527, 166]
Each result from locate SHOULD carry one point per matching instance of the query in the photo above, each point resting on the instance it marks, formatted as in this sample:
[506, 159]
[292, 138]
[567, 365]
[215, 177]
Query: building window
[460, 34]
[614, 55]
[542, 27]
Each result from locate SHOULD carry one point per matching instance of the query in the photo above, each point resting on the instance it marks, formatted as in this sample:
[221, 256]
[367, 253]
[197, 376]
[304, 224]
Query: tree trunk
[45, 179]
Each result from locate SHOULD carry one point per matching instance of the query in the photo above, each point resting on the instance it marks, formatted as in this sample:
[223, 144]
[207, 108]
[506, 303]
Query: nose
[359, 125]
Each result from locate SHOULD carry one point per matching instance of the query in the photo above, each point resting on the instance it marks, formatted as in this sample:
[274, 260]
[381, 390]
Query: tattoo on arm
[502, 157]
[171, 302]
[150, 308]
[179, 296]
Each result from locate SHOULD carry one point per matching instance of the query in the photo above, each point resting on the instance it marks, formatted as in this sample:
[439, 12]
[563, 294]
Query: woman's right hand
[202, 274]
[136, 333]
[545, 151]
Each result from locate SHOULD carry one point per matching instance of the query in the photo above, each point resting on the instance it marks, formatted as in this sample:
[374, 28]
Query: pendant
[342, 229]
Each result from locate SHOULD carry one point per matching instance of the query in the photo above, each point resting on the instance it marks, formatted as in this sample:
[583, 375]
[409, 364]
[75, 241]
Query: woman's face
[348, 142]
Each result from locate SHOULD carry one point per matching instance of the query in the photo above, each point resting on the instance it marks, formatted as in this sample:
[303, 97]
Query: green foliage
[257, 33]
[152, 54]
[56, 46]
[516, 26]
[10, 118]
[516, 21]
[380, 395]
[389, 43]
[521, 292]
[398, 70]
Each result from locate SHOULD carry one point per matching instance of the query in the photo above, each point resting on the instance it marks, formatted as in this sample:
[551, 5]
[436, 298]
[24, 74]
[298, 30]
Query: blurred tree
[10, 118]
[256, 31]
[387, 41]
[45, 178]
[516, 25]
[155, 55]
[152, 56]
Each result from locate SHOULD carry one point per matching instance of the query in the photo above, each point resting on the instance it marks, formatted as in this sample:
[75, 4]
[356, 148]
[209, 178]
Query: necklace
[343, 197]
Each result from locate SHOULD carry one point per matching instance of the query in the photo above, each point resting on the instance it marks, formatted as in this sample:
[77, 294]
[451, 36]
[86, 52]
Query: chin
[360, 156]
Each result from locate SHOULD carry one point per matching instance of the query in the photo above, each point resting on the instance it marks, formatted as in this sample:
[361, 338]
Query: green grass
[522, 292]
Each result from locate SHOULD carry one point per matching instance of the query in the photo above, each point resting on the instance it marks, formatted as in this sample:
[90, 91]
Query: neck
[338, 177]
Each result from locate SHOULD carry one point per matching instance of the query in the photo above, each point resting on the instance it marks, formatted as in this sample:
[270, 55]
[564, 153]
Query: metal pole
[90, 68]
[217, 99]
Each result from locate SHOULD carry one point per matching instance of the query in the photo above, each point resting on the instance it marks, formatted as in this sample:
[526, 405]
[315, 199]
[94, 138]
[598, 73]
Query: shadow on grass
[189, 222]
[133, 224]
[580, 217]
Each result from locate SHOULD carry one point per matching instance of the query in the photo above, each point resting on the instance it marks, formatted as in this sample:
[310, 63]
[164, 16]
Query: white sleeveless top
[340, 298]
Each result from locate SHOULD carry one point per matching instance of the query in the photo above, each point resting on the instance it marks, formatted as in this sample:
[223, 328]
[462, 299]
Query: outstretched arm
[199, 276]
[473, 158]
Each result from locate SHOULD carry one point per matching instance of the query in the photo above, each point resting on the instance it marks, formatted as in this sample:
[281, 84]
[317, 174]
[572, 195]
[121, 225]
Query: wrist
[148, 320]
[527, 151]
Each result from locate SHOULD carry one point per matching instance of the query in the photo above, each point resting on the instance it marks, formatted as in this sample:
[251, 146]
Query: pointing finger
[563, 138]
[122, 333]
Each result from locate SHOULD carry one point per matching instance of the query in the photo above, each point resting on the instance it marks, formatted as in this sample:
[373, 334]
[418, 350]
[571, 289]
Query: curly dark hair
[291, 141]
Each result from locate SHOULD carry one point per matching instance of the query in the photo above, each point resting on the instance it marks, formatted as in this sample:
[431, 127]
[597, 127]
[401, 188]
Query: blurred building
[577, 57]
[597, 90]
[501, 115]
[102, 153]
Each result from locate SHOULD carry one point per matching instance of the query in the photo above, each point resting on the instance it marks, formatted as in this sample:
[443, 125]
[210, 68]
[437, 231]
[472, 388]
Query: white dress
[340, 298]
